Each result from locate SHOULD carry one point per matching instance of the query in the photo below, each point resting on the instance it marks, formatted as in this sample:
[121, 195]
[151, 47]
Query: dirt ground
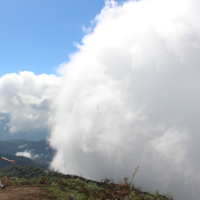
[25, 193]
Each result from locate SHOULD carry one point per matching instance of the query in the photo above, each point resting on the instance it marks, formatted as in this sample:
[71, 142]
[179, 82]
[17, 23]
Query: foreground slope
[27, 182]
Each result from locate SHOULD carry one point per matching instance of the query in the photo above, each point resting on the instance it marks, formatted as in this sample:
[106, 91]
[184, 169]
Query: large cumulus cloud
[27, 98]
[130, 97]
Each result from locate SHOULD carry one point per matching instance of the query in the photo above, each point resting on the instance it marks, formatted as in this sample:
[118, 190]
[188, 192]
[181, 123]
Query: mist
[130, 97]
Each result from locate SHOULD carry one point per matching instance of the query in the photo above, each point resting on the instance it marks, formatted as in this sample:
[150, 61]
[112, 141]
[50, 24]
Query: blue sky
[38, 35]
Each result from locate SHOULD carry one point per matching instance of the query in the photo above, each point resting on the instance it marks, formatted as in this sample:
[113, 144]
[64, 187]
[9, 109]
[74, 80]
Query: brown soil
[25, 193]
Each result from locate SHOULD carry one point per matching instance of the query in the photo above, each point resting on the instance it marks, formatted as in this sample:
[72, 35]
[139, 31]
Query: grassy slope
[74, 187]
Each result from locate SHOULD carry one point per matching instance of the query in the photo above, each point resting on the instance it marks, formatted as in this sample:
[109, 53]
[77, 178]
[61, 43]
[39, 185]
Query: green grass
[77, 188]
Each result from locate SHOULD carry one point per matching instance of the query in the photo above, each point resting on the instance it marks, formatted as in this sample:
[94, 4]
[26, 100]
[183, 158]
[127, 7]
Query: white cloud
[22, 146]
[130, 97]
[87, 30]
[28, 154]
[36, 156]
[27, 98]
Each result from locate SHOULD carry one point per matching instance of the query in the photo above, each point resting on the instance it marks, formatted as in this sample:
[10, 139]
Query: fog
[128, 97]
[131, 97]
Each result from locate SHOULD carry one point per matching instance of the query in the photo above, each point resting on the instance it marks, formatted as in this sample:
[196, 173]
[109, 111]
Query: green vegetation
[72, 187]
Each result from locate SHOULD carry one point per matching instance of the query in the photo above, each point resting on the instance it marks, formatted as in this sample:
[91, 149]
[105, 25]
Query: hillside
[30, 178]
[25, 182]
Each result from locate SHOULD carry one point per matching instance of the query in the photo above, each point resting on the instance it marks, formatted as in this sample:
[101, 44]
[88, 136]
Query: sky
[39, 35]
[122, 92]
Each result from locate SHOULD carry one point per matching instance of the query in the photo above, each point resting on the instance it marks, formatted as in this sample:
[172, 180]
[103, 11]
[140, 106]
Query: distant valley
[32, 153]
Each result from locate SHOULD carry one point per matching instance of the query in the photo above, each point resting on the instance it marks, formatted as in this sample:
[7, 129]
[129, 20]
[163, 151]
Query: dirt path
[24, 193]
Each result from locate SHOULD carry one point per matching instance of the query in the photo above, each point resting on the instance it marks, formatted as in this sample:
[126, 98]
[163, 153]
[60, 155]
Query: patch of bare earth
[24, 193]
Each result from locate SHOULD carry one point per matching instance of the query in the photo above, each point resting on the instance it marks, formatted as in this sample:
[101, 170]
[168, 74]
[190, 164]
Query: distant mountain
[20, 160]
[39, 151]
